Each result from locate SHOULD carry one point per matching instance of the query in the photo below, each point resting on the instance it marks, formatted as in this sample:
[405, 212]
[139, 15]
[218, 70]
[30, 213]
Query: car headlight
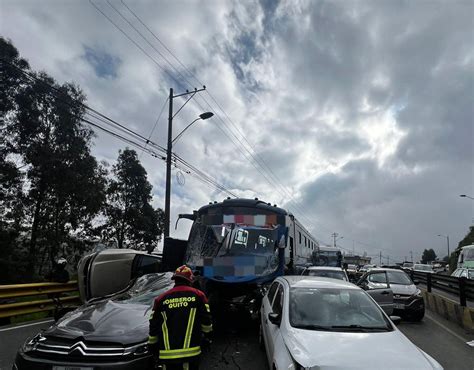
[139, 350]
[418, 293]
[30, 344]
[296, 366]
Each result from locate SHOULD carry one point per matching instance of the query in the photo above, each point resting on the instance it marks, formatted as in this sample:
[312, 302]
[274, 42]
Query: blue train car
[239, 245]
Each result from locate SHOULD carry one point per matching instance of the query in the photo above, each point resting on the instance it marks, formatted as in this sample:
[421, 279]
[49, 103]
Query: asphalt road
[13, 337]
[236, 343]
[442, 340]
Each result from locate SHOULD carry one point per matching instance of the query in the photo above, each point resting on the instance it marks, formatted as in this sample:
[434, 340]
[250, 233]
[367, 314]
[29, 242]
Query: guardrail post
[462, 291]
[428, 282]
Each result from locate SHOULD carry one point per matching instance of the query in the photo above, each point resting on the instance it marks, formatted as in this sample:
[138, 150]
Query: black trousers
[190, 365]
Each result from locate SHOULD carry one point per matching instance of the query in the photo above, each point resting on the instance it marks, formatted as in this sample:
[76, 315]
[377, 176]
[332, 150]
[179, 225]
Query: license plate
[72, 368]
[399, 306]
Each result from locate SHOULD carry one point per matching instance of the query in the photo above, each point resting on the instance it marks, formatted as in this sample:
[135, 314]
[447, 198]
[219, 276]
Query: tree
[63, 183]
[428, 256]
[132, 220]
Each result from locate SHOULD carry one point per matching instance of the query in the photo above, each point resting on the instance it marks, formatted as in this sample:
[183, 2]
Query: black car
[107, 333]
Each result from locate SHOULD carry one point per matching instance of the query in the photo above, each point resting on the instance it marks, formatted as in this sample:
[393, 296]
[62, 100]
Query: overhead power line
[228, 130]
[141, 144]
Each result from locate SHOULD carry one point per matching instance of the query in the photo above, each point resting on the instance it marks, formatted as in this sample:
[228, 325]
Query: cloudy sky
[357, 116]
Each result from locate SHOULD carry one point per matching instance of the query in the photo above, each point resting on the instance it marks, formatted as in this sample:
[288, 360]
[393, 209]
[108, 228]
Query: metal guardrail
[9, 295]
[462, 287]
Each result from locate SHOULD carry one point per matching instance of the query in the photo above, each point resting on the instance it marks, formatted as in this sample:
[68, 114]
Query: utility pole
[169, 153]
[335, 237]
[411, 255]
[168, 166]
[380, 258]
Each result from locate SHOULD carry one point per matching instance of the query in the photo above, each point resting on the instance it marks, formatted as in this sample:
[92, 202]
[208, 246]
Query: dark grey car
[108, 333]
[407, 298]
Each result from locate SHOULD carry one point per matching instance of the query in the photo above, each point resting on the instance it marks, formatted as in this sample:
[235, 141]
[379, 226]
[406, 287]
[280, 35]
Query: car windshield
[469, 254]
[398, 277]
[333, 274]
[471, 274]
[335, 310]
[145, 289]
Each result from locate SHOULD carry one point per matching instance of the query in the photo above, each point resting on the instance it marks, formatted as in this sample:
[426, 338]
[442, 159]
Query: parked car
[319, 323]
[464, 272]
[407, 265]
[326, 271]
[110, 333]
[111, 270]
[407, 299]
[423, 268]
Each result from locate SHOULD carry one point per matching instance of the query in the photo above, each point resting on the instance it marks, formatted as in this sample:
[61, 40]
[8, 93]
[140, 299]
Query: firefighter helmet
[183, 272]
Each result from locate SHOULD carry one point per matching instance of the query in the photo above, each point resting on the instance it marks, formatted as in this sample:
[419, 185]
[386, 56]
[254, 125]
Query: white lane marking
[25, 325]
[446, 328]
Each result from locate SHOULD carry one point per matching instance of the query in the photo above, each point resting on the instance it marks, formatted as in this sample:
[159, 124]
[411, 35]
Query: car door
[376, 284]
[273, 329]
[265, 310]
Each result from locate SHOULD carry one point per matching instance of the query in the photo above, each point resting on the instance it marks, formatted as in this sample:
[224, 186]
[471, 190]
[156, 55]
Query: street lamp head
[206, 115]
[463, 195]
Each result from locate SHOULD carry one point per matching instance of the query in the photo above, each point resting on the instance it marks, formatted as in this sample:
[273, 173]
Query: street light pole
[169, 148]
[466, 196]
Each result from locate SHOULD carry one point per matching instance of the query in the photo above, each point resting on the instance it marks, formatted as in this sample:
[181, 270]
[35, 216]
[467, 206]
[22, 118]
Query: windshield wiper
[314, 327]
[357, 327]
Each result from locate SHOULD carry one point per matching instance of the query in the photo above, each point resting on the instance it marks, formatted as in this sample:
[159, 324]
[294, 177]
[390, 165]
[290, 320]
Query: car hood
[403, 289]
[107, 321]
[120, 318]
[336, 351]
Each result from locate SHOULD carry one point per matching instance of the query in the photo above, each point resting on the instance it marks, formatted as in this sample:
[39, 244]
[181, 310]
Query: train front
[237, 246]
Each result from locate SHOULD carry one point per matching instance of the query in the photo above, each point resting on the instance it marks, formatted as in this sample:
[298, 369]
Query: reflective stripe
[189, 329]
[152, 339]
[151, 316]
[179, 353]
[164, 328]
[163, 366]
[206, 328]
[207, 307]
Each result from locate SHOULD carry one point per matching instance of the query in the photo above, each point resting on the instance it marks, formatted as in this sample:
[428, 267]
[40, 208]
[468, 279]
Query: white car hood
[336, 351]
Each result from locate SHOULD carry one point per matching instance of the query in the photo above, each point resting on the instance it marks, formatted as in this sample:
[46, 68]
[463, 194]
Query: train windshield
[231, 240]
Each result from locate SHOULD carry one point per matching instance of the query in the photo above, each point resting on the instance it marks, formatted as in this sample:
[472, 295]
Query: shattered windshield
[146, 288]
[231, 240]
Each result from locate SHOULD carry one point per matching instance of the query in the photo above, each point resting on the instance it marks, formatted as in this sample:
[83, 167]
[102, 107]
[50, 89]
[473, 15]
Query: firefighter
[180, 320]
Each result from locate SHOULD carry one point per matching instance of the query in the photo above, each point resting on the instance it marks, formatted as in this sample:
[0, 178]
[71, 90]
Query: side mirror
[416, 282]
[396, 319]
[274, 318]
[282, 242]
